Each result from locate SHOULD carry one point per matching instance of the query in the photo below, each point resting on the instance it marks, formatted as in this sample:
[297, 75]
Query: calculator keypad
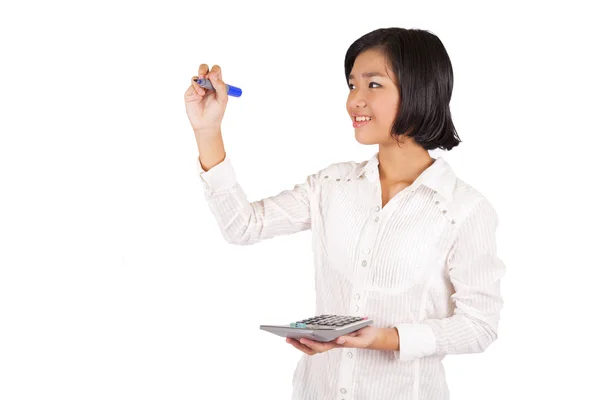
[326, 321]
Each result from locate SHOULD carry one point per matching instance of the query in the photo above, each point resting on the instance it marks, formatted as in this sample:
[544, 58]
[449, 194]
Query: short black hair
[424, 78]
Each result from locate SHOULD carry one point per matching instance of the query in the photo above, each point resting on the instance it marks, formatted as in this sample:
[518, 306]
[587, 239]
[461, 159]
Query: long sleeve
[243, 222]
[475, 271]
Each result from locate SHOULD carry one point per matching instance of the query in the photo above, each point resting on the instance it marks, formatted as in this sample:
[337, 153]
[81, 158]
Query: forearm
[464, 337]
[463, 334]
[458, 334]
[386, 339]
[210, 148]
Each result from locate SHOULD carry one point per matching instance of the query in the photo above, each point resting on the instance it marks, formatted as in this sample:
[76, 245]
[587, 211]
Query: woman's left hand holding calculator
[361, 339]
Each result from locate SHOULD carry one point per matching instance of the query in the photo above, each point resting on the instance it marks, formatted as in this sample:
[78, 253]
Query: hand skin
[366, 338]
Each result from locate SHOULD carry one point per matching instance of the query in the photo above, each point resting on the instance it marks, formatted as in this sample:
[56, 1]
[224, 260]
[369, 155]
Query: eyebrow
[367, 74]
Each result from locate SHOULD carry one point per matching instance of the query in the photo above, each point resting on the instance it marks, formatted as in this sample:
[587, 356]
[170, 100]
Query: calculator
[321, 328]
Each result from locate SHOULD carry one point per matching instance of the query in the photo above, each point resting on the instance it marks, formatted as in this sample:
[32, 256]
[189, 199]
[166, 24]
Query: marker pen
[231, 90]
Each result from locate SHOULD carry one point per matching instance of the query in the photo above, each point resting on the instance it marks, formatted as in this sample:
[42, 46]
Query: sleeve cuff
[416, 340]
[221, 176]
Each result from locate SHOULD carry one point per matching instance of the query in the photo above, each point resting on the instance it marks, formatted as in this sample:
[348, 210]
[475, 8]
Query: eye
[371, 83]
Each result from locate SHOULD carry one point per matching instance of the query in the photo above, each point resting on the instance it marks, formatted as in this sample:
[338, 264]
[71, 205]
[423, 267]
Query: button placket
[364, 265]
[357, 301]
[347, 365]
[365, 258]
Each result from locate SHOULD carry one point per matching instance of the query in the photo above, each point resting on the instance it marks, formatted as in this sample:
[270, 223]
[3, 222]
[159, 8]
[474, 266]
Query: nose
[357, 101]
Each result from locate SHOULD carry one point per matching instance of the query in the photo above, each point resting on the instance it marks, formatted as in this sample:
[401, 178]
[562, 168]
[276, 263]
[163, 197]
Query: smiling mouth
[358, 124]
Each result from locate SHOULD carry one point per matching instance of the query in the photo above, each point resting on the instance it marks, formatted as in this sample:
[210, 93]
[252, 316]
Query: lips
[358, 124]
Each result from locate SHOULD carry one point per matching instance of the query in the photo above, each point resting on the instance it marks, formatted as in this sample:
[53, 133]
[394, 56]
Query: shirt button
[337, 180]
[377, 219]
[377, 208]
[343, 390]
[444, 211]
[356, 308]
[437, 202]
[349, 355]
[357, 296]
[364, 263]
[366, 251]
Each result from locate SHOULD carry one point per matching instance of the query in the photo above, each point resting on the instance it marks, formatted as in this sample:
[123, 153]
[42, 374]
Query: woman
[398, 237]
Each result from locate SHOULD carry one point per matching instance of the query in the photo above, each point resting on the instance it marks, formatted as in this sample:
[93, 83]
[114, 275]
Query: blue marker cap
[231, 90]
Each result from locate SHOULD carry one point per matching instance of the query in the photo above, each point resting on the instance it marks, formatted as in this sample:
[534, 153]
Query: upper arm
[244, 222]
[474, 267]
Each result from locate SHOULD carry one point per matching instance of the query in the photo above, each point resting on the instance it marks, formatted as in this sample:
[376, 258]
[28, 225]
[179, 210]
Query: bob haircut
[424, 78]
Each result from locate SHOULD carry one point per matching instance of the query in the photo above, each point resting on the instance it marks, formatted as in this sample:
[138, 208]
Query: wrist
[385, 339]
[207, 132]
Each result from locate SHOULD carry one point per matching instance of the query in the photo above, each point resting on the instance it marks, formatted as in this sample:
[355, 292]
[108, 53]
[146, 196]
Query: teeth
[359, 119]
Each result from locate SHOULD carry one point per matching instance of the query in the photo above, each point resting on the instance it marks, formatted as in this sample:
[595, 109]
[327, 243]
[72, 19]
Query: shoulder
[339, 171]
[469, 203]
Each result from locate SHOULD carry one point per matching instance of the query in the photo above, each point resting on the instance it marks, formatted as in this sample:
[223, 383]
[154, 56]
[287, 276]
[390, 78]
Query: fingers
[319, 347]
[301, 347]
[199, 89]
[216, 79]
[349, 340]
[312, 347]
[342, 340]
[216, 71]
[202, 70]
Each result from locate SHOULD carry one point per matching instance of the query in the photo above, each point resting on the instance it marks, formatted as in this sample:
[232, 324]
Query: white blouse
[425, 264]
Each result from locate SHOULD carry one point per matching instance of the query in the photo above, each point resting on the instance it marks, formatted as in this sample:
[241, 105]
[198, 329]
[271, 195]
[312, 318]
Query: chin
[363, 138]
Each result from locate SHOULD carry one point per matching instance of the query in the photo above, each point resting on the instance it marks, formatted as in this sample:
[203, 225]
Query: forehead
[370, 61]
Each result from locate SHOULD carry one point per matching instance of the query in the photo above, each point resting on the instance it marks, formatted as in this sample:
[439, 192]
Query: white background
[115, 282]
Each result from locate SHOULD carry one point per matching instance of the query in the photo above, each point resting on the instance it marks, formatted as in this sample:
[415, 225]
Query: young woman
[398, 237]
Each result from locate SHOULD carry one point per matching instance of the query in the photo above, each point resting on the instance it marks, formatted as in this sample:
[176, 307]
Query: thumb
[344, 340]
[220, 88]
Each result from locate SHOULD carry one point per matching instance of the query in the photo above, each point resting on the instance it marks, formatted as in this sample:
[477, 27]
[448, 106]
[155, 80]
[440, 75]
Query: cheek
[389, 110]
[384, 115]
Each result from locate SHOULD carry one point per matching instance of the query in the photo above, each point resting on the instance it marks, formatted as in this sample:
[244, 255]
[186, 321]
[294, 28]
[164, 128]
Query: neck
[403, 164]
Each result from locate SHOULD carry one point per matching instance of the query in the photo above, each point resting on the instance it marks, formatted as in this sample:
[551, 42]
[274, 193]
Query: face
[373, 93]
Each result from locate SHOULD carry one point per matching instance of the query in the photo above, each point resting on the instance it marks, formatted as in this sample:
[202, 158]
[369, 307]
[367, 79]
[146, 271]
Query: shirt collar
[439, 176]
